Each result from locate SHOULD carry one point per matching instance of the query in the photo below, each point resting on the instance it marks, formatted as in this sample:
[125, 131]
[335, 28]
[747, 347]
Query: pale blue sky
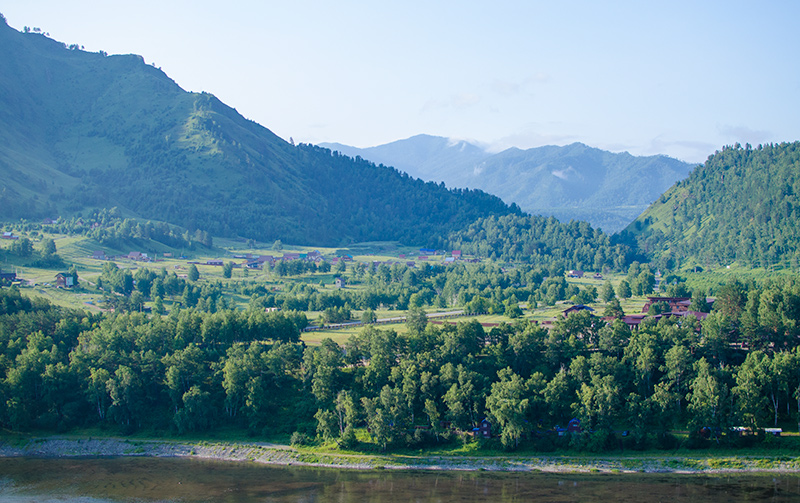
[678, 78]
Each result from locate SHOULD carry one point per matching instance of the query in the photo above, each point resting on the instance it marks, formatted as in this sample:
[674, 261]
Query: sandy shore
[57, 446]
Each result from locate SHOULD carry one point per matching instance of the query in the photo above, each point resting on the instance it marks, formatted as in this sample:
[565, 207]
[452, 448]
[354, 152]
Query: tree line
[193, 372]
[740, 206]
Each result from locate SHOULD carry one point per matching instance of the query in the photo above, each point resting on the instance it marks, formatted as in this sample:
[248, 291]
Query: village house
[99, 255]
[633, 320]
[339, 282]
[138, 256]
[676, 304]
[484, 429]
[9, 235]
[574, 426]
[575, 274]
[576, 308]
[64, 280]
[266, 259]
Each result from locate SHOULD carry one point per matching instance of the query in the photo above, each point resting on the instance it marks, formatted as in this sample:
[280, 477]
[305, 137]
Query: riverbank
[59, 447]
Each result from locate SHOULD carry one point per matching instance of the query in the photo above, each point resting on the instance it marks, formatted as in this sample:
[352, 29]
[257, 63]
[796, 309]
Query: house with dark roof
[484, 429]
[676, 304]
[266, 259]
[64, 280]
[576, 308]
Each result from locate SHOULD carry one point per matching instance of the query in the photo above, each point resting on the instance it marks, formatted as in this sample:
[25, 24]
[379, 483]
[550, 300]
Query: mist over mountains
[573, 182]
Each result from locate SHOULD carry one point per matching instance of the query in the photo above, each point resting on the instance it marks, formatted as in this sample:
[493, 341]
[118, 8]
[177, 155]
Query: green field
[77, 251]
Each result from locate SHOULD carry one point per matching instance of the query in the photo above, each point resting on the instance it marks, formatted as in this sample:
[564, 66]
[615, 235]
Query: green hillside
[82, 131]
[741, 206]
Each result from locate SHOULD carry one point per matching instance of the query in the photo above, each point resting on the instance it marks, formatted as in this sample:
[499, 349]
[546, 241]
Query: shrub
[300, 439]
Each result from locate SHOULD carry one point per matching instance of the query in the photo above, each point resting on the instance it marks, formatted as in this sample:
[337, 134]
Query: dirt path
[56, 446]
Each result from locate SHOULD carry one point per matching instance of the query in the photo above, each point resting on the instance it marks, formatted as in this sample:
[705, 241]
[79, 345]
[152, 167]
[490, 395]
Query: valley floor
[60, 446]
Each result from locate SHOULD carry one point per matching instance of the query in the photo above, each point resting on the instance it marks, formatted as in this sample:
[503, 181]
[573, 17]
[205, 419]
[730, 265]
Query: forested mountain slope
[741, 206]
[573, 182]
[80, 131]
[542, 241]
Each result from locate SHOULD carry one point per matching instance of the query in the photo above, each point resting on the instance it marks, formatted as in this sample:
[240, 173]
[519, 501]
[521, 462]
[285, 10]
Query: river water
[144, 480]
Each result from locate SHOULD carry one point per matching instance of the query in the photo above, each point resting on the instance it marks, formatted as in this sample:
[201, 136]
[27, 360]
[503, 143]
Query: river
[144, 480]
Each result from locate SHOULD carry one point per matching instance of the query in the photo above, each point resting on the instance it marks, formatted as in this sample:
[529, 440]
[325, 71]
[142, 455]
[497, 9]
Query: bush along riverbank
[58, 446]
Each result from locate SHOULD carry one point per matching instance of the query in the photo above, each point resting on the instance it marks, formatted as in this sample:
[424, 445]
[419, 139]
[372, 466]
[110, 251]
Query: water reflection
[146, 479]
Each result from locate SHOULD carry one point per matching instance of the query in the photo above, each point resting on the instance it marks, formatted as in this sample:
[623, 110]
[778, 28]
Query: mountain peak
[575, 181]
[85, 131]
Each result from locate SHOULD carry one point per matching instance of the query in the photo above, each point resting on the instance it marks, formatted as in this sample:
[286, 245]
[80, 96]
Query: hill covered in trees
[542, 241]
[740, 206]
[84, 131]
[573, 182]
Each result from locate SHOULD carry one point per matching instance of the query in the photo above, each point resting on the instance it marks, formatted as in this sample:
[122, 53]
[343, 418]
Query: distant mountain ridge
[573, 182]
[82, 131]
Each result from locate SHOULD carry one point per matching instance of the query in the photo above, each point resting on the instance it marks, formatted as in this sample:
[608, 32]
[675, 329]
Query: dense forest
[542, 241]
[192, 371]
[741, 206]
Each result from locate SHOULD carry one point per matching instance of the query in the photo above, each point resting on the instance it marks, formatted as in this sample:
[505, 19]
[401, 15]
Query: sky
[681, 78]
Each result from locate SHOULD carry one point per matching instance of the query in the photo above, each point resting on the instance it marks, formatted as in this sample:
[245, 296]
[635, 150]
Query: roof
[575, 309]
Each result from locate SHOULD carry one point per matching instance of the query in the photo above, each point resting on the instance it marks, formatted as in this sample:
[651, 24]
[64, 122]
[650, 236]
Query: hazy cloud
[743, 134]
[462, 100]
[465, 100]
[433, 105]
[541, 77]
[685, 150]
[562, 173]
[505, 88]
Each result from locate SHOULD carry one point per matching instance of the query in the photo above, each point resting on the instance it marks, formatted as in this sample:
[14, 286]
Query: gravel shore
[58, 447]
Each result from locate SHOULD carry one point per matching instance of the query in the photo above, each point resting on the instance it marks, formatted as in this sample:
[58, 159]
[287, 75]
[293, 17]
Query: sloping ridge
[740, 206]
[85, 130]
